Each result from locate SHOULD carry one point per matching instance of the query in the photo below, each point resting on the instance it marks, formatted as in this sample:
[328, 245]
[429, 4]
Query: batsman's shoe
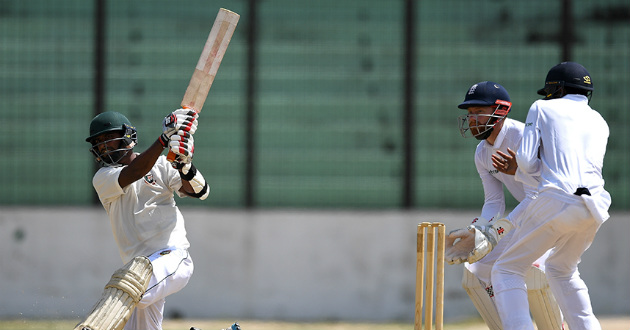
[234, 326]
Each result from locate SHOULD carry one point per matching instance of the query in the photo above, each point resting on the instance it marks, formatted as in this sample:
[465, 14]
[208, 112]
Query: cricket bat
[209, 62]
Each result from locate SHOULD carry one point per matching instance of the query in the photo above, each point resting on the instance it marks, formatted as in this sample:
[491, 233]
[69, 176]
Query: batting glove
[179, 120]
[182, 145]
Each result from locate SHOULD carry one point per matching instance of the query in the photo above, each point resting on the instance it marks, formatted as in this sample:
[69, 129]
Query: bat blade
[210, 59]
[209, 62]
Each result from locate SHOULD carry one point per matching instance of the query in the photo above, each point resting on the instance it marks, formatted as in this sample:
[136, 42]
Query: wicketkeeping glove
[472, 243]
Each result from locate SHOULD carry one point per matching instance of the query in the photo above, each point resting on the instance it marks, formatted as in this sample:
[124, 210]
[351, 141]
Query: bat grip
[171, 156]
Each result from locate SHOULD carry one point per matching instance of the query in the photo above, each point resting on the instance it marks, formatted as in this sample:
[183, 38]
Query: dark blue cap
[568, 74]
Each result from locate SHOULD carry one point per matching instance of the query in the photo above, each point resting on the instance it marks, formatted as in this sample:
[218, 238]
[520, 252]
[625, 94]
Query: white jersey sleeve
[494, 198]
[105, 182]
[529, 163]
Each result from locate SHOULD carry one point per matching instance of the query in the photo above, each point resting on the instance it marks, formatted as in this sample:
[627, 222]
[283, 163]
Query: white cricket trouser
[172, 268]
[553, 220]
[483, 268]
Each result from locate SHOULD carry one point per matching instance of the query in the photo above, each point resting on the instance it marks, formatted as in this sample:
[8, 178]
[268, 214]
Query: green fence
[323, 81]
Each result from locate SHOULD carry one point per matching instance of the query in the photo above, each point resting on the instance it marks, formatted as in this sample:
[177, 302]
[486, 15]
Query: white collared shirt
[493, 181]
[571, 139]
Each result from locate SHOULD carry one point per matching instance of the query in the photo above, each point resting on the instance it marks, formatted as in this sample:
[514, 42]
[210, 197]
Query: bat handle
[171, 156]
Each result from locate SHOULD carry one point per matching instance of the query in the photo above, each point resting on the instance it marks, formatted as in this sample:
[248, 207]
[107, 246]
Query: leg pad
[542, 304]
[481, 299]
[120, 297]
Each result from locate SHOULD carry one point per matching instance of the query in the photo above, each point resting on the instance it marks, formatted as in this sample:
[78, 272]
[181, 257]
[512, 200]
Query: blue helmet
[569, 74]
[485, 93]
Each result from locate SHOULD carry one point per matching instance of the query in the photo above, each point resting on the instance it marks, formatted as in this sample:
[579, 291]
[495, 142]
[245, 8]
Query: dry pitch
[608, 323]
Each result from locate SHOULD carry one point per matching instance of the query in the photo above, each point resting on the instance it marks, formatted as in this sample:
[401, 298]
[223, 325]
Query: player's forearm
[140, 165]
[494, 197]
[493, 210]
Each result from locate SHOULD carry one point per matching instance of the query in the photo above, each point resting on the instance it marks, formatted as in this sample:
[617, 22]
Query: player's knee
[556, 272]
[144, 303]
[503, 280]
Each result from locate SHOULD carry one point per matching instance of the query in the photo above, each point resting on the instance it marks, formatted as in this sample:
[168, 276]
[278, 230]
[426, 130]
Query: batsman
[137, 191]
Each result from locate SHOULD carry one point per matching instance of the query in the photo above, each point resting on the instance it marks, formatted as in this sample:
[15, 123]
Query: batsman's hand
[179, 120]
[182, 145]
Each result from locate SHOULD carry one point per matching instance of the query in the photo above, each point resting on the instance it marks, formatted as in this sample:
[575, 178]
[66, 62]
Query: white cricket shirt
[143, 215]
[493, 181]
[571, 139]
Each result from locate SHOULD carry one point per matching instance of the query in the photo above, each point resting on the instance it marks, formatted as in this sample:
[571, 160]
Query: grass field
[608, 323]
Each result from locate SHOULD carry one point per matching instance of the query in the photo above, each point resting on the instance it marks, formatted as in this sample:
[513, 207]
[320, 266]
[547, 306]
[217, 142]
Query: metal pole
[408, 184]
[250, 115]
[99, 68]
[566, 33]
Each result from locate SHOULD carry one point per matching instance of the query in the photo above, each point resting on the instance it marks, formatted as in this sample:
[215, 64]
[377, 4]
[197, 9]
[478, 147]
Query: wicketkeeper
[488, 104]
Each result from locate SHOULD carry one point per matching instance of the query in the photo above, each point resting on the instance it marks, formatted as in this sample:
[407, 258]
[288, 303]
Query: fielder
[136, 190]
[488, 105]
[564, 142]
